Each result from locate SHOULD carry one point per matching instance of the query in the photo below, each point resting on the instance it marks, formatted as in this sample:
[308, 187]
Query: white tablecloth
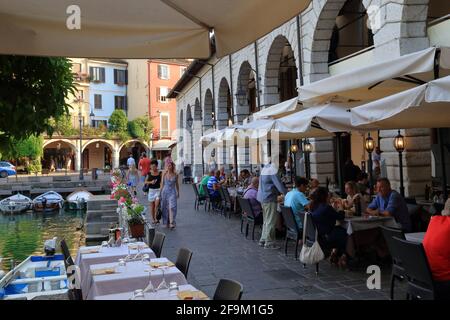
[361, 223]
[135, 276]
[415, 237]
[106, 255]
[159, 295]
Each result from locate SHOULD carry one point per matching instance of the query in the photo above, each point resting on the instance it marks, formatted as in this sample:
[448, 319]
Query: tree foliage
[33, 90]
[30, 147]
[146, 125]
[63, 125]
[118, 121]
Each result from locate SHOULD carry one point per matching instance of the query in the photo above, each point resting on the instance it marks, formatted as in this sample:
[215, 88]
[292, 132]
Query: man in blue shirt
[389, 203]
[269, 187]
[213, 186]
[296, 199]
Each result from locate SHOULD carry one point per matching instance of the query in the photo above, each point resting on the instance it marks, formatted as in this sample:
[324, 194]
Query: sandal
[343, 262]
[172, 226]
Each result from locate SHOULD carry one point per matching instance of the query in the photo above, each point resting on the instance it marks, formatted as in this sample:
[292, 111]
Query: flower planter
[137, 230]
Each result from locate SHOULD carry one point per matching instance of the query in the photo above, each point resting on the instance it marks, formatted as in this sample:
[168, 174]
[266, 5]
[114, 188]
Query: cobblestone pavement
[221, 251]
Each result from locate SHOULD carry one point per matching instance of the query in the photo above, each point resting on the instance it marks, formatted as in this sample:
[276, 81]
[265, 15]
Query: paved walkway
[221, 251]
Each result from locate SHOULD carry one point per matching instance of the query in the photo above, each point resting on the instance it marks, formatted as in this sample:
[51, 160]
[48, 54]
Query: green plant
[123, 136]
[33, 90]
[135, 214]
[63, 125]
[34, 166]
[118, 121]
[135, 130]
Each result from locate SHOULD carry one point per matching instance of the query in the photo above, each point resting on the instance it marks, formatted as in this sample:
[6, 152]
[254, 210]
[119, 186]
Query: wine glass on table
[163, 285]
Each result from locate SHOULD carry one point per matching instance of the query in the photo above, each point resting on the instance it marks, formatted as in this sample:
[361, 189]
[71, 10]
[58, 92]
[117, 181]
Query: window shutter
[159, 71]
[115, 76]
[158, 93]
[91, 73]
[116, 102]
[126, 76]
[102, 74]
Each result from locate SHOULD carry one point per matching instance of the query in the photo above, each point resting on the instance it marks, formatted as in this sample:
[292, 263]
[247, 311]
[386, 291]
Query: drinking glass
[150, 287]
[138, 295]
[163, 285]
[173, 288]
[122, 265]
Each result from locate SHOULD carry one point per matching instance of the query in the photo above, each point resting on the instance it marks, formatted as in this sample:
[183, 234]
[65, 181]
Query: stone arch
[62, 153]
[88, 142]
[225, 113]
[98, 153]
[246, 92]
[145, 144]
[281, 72]
[316, 44]
[208, 111]
[69, 142]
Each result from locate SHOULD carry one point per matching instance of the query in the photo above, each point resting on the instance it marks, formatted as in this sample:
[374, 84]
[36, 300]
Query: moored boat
[77, 200]
[15, 204]
[35, 276]
[49, 201]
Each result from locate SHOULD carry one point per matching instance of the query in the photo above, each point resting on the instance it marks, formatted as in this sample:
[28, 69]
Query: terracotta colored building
[162, 77]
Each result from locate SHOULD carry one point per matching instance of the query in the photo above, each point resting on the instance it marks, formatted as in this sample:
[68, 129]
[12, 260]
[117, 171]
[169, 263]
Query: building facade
[330, 37]
[162, 77]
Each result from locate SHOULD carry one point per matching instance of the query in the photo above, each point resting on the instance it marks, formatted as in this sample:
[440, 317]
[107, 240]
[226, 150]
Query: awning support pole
[340, 167]
[444, 171]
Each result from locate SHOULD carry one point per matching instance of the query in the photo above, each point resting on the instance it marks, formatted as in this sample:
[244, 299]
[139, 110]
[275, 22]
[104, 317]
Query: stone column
[322, 159]
[416, 160]
[197, 156]
[115, 158]
[77, 160]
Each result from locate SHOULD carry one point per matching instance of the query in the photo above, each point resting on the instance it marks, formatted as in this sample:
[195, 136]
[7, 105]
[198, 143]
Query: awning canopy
[427, 106]
[138, 28]
[163, 145]
[379, 80]
[312, 122]
[278, 110]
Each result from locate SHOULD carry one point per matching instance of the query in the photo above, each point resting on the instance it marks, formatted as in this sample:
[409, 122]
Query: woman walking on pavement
[170, 191]
[133, 178]
[153, 184]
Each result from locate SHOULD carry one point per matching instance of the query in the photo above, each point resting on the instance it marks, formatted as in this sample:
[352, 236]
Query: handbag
[158, 213]
[313, 254]
[146, 187]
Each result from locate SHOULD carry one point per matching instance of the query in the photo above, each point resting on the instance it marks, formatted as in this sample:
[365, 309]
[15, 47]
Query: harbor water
[22, 235]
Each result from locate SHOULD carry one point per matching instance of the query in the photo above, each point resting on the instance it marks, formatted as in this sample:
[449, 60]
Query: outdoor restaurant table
[415, 237]
[158, 295]
[134, 276]
[363, 230]
[105, 255]
[354, 224]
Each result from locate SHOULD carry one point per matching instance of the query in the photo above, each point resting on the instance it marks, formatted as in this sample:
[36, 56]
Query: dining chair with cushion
[183, 260]
[421, 285]
[228, 289]
[292, 229]
[398, 270]
[157, 244]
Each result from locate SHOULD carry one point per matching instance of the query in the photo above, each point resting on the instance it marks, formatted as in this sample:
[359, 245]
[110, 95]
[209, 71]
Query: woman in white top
[352, 197]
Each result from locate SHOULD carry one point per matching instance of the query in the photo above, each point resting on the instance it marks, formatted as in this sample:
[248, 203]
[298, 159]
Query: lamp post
[370, 146]
[399, 144]
[307, 148]
[294, 149]
[80, 118]
[190, 122]
[91, 116]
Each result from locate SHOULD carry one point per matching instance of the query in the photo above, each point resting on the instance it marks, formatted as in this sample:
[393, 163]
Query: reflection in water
[24, 234]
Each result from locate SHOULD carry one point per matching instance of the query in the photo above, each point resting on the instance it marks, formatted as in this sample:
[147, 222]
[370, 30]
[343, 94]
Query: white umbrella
[278, 110]
[379, 79]
[138, 28]
[313, 122]
[427, 106]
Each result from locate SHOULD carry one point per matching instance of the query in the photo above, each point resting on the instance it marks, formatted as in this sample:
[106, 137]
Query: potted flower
[136, 220]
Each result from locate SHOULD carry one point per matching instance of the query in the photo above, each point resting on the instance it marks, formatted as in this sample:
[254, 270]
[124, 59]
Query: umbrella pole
[339, 163]
[444, 171]
[236, 161]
